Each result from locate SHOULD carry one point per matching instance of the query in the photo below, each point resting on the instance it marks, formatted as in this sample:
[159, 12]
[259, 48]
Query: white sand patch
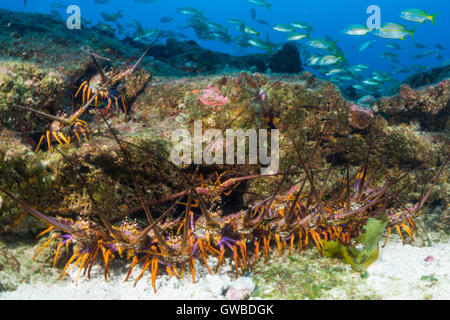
[206, 287]
[402, 272]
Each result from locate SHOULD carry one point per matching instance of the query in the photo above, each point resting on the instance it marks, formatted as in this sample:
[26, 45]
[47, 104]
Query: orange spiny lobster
[285, 220]
[101, 86]
[288, 221]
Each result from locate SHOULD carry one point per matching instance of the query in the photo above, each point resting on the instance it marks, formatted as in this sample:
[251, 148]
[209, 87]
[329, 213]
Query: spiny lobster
[284, 220]
[104, 85]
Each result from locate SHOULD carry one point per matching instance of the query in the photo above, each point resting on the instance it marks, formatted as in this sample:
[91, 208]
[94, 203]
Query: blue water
[327, 16]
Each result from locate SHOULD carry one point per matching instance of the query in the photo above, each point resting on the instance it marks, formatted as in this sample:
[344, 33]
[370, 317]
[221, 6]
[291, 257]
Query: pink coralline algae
[359, 117]
[406, 92]
[358, 108]
[211, 96]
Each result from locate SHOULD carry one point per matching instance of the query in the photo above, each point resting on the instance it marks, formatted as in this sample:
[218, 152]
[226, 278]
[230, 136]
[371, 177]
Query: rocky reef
[428, 106]
[407, 133]
[188, 58]
[429, 77]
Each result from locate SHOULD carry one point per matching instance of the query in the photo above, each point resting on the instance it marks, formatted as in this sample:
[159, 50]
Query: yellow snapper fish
[260, 44]
[321, 44]
[284, 28]
[356, 30]
[393, 31]
[314, 60]
[329, 60]
[334, 72]
[418, 15]
[261, 3]
[301, 25]
[296, 36]
[250, 30]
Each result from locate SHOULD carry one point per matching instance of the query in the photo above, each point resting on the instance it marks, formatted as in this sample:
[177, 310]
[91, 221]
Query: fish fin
[412, 32]
[433, 17]
[269, 6]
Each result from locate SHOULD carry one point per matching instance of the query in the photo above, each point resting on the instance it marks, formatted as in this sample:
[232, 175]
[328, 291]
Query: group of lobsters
[284, 221]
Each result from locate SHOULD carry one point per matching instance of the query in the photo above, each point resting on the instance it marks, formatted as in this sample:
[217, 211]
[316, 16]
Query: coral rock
[287, 60]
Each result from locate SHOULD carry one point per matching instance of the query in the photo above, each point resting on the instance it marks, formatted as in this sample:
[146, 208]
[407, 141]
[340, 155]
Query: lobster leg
[49, 141]
[387, 237]
[154, 272]
[399, 231]
[124, 102]
[81, 87]
[40, 142]
[108, 106]
[45, 245]
[146, 265]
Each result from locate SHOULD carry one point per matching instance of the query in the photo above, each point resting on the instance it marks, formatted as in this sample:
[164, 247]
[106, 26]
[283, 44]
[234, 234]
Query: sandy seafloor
[402, 272]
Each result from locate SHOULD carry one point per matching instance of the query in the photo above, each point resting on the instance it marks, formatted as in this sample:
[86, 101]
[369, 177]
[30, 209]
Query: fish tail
[269, 5]
[433, 17]
[412, 32]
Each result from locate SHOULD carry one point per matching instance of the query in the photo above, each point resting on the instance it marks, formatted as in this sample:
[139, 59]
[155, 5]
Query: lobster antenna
[376, 199]
[88, 51]
[363, 178]
[297, 196]
[316, 146]
[327, 178]
[56, 118]
[422, 201]
[140, 59]
[139, 191]
[152, 225]
[122, 68]
[309, 165]
[186, 217]
[310, 178]
[277, 191]
[393, 198]
[39, 215]
[46, 115]
[97, 64]
[102, 217]
[99, 68]
[348, 204]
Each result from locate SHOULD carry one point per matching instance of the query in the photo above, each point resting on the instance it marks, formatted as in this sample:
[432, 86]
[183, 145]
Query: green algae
[314, 275]
[359, 260]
